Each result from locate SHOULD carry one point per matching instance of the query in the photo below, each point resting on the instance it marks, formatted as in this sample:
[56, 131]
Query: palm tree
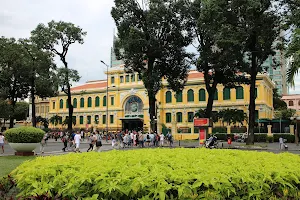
[55, 119]
[293, 52]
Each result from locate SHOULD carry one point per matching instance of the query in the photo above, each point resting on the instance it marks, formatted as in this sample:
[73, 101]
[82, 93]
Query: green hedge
[24, 135]
[290, 138]
[222, 136]
[162, 174]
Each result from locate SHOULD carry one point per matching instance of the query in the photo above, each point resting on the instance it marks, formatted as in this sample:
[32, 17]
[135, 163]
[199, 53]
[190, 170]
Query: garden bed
[162, 174]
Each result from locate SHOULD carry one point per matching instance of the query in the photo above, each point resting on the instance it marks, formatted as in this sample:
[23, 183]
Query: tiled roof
[195, 74]
[90, 86]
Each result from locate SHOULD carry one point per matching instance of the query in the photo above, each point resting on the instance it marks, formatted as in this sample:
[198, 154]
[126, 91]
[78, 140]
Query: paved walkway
[54, 147]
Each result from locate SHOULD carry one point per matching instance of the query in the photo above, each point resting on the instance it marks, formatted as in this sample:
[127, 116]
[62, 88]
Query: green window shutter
[127, 78]
[82, 103]
[81, 119]
[139, 77]
[61, 104]
[190, 116]
[112, 101]
[103, 119]
[89, 102]
[112, 80]
[96, 119]
[133, 78]
[255, 93]
[239, 92]
[226, 94]
[190, 95]
[202, 95]
[256, 115]
[97, 102]
[104, 101]
[216, 95]
[179, 117]
[179, 96]
[75, 103]
[67, 105]
[168, 118]
[111, 119]
[88, 119]
[168, 97]
[74, 120]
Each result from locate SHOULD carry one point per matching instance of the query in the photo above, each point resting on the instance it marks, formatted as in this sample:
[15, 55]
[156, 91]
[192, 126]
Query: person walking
[42, 144]
[141, 140]
[2, 140]
[92, 142]
[162, 137]
[64, 139]
[281, 143]
[77, 139]
[98, 142]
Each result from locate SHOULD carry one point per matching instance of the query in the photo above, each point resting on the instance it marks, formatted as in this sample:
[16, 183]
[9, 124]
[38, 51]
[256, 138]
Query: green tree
[21, 111]
[256, 29]
[55, 119]
[277, 102]
[233, 116]
[220, 52]
[14, 73]
[66, 121]
[151, 40]
[42, 79]
[293, 52]
[284, 113]
[201, 113]
[43, 121]
[57, 38]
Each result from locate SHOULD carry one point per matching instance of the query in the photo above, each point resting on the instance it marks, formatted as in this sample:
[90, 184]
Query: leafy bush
[162, 174]
[270, 139]
[224, 136]
[260, 137]
[242, 129]
[24, 135]
[219, 129]
[290, 138]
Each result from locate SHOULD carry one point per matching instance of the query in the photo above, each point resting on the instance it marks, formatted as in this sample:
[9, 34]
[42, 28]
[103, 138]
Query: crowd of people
[122, 139]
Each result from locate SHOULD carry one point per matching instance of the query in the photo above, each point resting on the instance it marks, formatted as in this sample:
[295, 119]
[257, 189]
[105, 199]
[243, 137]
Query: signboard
[201, 122]
[202, 136]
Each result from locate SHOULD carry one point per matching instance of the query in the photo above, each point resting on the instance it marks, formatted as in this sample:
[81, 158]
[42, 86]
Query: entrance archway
[133, 114]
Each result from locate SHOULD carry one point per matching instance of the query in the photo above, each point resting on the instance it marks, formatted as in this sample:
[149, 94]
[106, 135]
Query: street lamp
[106, 95]
[296, 133]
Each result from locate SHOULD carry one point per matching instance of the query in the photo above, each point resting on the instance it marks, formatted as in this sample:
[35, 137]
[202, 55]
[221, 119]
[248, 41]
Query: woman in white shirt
[2, 142]
[162, 137]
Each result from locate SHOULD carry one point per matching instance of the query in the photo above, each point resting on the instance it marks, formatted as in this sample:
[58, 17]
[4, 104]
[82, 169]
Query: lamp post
[106, 95]
[296, 132]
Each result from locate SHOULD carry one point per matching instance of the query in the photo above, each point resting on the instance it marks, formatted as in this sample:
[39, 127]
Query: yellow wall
[121, 91]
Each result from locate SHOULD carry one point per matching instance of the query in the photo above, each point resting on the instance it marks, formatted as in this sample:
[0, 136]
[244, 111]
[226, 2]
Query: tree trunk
[70, 123]
[11, 117]
[253, 72]
[33, 117]
[153, 119]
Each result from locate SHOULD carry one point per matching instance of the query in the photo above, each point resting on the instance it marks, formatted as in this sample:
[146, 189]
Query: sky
[19, 17]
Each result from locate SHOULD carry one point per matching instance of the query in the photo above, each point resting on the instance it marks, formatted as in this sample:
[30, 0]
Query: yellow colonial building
[125, 104]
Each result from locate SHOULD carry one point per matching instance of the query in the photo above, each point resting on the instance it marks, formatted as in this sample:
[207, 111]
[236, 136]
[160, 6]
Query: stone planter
[24, 149]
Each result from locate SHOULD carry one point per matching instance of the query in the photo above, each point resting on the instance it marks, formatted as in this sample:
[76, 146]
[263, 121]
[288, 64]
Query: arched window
[239, 92]
[82, 103]
[190, 95]
[104, 101]
[168, 97]
[97, 102]
[202, 95]
[179, 117]
[179, 96]
[216, 95]
[291, 103]
[75, 103]
[90, 102]
[226, 94]
[61, 104]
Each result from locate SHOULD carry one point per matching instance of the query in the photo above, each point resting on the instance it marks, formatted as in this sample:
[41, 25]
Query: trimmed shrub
[270, 139]
[242, 129]
[219, 130]
[162, 174]
[260, 137]
[290, 138]
[24, 135]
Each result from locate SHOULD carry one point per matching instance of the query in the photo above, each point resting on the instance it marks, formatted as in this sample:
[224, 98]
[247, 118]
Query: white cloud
[19, 18]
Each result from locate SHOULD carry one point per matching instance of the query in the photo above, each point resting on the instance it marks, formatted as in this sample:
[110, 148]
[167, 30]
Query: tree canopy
[151, 41]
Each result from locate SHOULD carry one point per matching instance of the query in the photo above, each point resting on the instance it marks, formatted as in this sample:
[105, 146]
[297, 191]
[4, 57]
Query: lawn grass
[9, 163]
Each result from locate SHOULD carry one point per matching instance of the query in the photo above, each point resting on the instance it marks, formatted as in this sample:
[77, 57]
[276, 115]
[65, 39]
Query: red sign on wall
[201, 122]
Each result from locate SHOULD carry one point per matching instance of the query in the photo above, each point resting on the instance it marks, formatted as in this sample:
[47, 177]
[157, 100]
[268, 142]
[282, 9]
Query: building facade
[293, 102]
[126, 105]
[41, 108]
